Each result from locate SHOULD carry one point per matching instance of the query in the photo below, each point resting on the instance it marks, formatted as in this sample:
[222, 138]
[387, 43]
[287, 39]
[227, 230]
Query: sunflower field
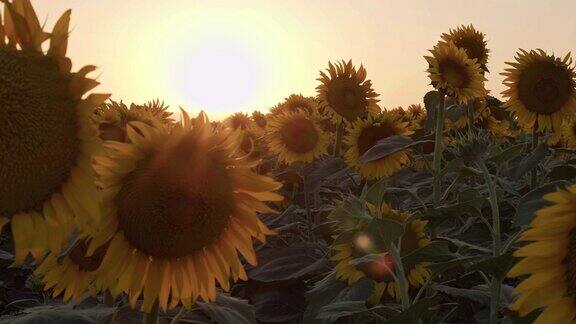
[324, 209]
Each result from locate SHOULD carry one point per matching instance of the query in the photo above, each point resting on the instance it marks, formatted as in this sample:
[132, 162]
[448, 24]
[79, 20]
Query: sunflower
[549, 260]
[472, 41]
[296, 137]
[364, 134]
[296, 103]
[238, 121]
[179, 203]
[112, 118]
[259, 122]
[541, 89]
[416, 115]
[380, 270]
[75, 273]
[345, 94]
[452, 72]
[46, 137]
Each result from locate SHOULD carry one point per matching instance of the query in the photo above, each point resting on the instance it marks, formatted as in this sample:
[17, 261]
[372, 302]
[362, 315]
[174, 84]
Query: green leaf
[416, 311]
[478, 295]
[336, 310]
[388, 146]
[228, 309]
[472, 197]
[431, 101]
[349, 212]
[60, 314]
[436, 251]
[383, 232]
[530, 162]
[317, 173]
[508, 154]
[324, 292]
[440, 267]
[533, 201]
[562, 172]
[496, 267]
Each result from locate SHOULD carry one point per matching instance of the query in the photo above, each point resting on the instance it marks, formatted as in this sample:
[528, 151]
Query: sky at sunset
[227, 56]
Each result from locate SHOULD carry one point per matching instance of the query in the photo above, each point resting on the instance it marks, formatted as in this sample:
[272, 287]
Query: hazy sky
[226, 56]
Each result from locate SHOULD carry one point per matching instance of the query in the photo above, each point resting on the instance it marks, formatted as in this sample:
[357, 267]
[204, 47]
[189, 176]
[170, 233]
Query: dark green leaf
[533, 201]
[530, 162]
[563, 172]
[341, 309]
[496, 267]
[508, 154]
[416, 311]
[477, 295]
[436, 251]
[389, 145]
[383, 232]
[228, 309]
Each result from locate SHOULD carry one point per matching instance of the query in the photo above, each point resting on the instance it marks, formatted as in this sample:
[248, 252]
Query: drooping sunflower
[541, 89]
[296, 137]
[296, 103]
[380, 270]
[75, 273]
[345, 94]
[453, 72]
[46, 137]
[238, 121]
[179, 203]
[550, 261]
[472, 41]
[365, 133]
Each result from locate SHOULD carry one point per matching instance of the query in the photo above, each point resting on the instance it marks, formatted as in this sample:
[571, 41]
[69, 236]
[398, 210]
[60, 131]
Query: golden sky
[227, 56]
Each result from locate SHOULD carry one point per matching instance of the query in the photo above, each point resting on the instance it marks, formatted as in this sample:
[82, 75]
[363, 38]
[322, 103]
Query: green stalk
[400, 277]
[497, 244]
[534, 173]
[438, 150]
[307, 203]
[152, 317]
[338, 143]
[108, 299]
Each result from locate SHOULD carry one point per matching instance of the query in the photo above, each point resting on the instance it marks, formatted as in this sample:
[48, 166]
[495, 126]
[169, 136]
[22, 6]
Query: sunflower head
[454, 73]
[296, 103]
[157, 109]
[541, 89]
[259, 119]
[345, 94]
[364, 134]
[296, 137]
[238, 121]
[46, 138]
[548, 261]
[381, 267]
[180, 202]
[472, 41]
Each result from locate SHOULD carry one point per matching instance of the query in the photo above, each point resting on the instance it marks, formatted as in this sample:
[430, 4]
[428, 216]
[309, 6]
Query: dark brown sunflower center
[177, 201]
[87, 263]
[545, 87]
[474, 47]
[570, 261]
[454, 74]
[347, 97]
[370, 135]
[299, 134]
[38, 131]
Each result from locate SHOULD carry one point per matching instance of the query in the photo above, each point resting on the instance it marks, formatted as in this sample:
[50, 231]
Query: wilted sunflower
[238, 121]
[364, 134]
[550, 260]
[541, 89]
[179, 204]
[296, 103]
[381, 269]
[453, 72]
[74, 274]
[345, 94]
[472, 41]
[296, 137]
[46, 137]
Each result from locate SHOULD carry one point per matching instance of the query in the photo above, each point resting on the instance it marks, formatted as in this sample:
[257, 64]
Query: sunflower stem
[400, 276]
[534, 173]
[338, 142]
[470, 113]
[497, 244]
[152, 316]
[307, 203]
[438, 149]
